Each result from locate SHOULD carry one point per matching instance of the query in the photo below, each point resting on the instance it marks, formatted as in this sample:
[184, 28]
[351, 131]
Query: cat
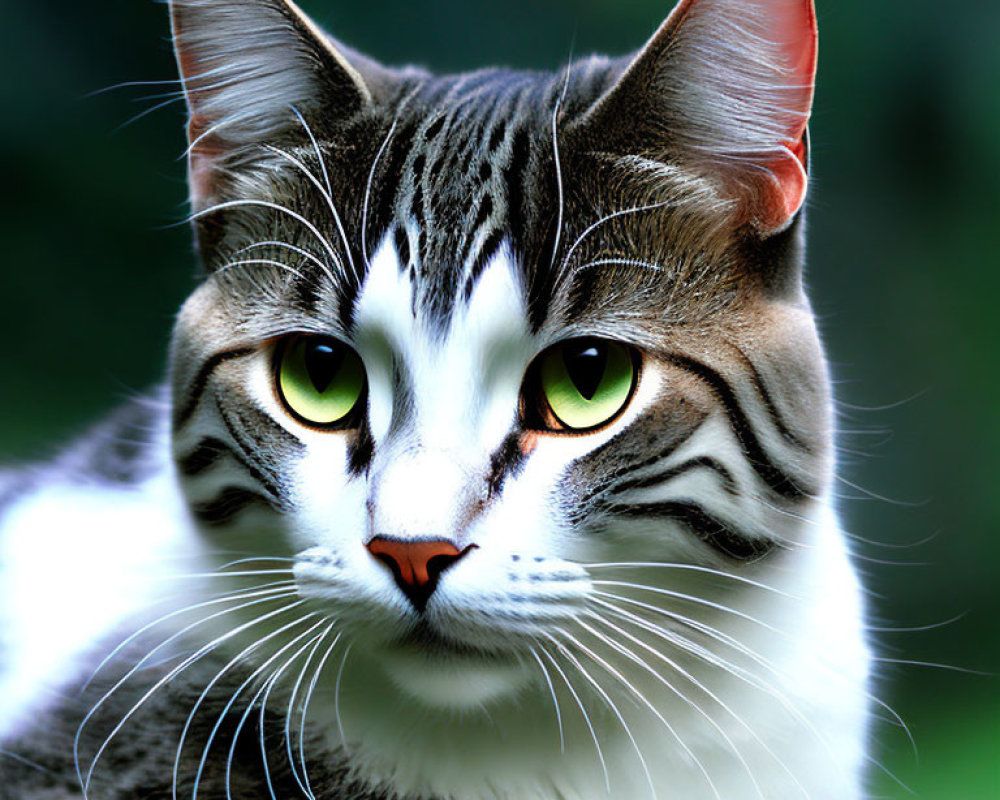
[495, 454]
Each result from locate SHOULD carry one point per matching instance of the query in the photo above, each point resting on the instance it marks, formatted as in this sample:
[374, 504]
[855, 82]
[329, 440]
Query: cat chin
[452, 682]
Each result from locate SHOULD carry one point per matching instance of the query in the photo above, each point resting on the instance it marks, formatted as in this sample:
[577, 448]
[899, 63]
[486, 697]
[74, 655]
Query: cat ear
[724, 88]
[245, 65]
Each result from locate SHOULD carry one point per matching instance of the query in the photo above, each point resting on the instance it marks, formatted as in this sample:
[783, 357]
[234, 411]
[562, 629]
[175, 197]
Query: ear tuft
[725, 88]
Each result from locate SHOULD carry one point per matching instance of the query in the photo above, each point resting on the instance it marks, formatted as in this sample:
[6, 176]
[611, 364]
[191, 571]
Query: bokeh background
[904, 271]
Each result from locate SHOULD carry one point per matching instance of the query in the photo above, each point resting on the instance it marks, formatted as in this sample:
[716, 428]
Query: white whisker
[208, 688]
[606, 697]
[558, 163]
[268, 597]
[628, 653]
[272, 682]
[692, 599]
[253, 676]
[282, 210]
[715, 659]
[291, 708]
[690, 568]
[250, 262]
[603, 221]
[201, 653]
[555, 700]
[586, 717]
[326, 196]
[305, 712]
[285, 246]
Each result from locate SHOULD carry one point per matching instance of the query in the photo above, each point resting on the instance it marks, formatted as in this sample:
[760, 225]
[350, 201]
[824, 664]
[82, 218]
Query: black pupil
[323, 362]
[586, 363]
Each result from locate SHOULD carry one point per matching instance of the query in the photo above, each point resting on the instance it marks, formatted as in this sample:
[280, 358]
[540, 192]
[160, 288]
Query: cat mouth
[424, 640]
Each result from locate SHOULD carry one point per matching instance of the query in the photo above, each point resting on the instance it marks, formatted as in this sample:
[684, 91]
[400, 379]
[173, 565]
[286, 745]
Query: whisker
[371, 173]
[250, 262]
[693, 599]
[558, 164]
[201, 653]
[280, 209]
[336, 700]
[130, 85]
[607, 699]
[291, 709]
[253, 676]
[305, 711]
[324, 193]
[932, 665]
[555, 700]
[145, 113]
[297, 250]
[208, 688]
[268, 588]
[644, 701]
[316, 149]
[690, 568]
[243, 574]
[715, 659]
[314, 643]
[270, 596]
[700, 686]
[604, 220]
[586, 716]
[621, 262]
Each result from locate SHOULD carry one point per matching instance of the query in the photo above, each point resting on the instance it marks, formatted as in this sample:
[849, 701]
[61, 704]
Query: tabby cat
[495, 456]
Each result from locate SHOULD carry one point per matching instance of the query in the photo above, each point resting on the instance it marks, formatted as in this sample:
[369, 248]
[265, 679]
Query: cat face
[469, 349]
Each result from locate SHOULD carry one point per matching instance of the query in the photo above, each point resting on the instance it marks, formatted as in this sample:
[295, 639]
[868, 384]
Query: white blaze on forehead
[463, 385]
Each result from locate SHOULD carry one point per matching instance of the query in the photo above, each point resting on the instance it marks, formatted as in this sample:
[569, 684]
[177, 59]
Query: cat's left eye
[580, 385]
[320, 380]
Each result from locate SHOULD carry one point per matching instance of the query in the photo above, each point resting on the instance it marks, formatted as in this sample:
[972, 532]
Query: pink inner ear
[785, 192]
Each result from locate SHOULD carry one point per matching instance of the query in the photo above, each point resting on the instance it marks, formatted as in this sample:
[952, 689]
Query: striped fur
[660, 607]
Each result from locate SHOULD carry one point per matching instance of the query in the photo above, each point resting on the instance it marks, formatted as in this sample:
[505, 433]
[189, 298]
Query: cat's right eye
[320, 381]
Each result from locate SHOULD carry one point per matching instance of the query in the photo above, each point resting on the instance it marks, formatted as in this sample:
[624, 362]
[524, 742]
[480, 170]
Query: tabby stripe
[486, 252]
[361, 450]
[197, 387]
[611, 478]
[704, 462]
[710, 529]
[269, 482]
[230, 502]
[762, 464]
[506, 462]
[206, 454]
[787, 433]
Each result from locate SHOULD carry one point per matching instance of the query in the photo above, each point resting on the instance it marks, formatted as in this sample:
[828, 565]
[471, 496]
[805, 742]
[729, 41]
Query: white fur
[76, 561]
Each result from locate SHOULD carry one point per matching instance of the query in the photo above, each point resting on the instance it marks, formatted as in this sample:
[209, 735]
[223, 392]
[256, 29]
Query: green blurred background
[904, 272]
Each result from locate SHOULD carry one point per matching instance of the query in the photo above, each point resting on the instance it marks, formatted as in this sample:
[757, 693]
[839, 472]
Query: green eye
[319, 379]
[587, 382]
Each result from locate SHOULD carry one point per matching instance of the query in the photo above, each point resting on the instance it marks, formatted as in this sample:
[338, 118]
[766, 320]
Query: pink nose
[416, 566]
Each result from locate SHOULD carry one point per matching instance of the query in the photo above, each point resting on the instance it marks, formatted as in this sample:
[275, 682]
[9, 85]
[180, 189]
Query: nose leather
[416, 565]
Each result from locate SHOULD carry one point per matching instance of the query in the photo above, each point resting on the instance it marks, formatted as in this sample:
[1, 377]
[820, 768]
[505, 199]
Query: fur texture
[660, 605]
